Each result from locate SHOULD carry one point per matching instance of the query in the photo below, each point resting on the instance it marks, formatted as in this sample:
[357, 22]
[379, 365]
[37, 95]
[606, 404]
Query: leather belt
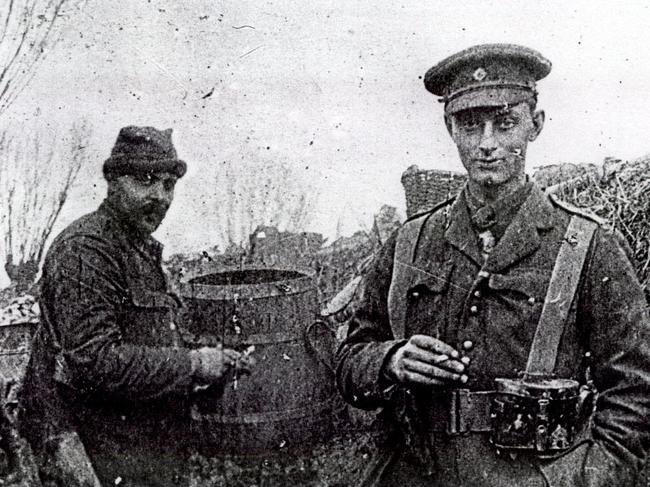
[458, 411]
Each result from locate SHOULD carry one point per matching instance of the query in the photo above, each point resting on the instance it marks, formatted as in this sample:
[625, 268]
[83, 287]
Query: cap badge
[479, 74]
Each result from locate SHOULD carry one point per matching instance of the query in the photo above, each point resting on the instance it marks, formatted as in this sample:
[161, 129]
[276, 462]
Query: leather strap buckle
[458, 408]
[461, 411]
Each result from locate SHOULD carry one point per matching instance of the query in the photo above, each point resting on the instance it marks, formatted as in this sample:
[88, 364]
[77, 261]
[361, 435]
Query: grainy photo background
[304, 115]
[328, 92]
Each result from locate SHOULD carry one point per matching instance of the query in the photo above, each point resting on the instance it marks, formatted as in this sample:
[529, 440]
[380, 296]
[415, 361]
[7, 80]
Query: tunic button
[415, 294]
[531, 300]
[473, 310]
[468, 345]
[477, 294]
[172, 326]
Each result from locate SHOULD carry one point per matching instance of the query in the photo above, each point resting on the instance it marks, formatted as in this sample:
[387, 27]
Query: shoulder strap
[561, 292]
[575, 210]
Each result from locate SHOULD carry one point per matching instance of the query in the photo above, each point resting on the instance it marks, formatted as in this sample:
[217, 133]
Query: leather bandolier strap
[559, 296]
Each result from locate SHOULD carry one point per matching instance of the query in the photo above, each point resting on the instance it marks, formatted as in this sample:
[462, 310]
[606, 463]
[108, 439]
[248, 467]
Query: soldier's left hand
[244, 364]
[428, 361]
[210, 364]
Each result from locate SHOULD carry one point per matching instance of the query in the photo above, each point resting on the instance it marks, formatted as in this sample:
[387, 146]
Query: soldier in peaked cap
[108, 361]
[492, 75]
[487, 325]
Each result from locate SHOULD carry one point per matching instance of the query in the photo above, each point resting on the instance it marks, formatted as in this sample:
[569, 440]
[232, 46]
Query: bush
[619, 192]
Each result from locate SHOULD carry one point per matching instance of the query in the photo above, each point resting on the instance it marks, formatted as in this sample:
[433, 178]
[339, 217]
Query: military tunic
[109, 338]
[488, 310]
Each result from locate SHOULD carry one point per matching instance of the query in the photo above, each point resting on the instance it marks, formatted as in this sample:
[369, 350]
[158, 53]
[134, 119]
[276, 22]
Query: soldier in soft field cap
[108, 358]
[141, 173]
[498, 281]
[144, 150]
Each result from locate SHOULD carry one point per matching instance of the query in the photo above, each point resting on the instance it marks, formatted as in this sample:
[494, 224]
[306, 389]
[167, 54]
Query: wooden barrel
[289, 400]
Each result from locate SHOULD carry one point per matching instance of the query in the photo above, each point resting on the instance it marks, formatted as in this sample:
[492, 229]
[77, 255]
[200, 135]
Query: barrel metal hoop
[270, 338]
[9, 353]
[205, 291]
[267, 417]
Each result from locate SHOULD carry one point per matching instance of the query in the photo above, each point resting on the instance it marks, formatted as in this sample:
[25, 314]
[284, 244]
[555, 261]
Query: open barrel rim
[281, 287]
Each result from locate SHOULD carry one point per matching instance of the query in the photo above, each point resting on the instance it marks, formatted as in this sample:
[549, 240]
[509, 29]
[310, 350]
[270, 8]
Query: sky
[332, 89]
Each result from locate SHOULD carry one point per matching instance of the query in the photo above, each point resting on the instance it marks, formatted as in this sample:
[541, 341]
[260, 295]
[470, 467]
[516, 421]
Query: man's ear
[112, 184]
[110, 176]
[538, 124]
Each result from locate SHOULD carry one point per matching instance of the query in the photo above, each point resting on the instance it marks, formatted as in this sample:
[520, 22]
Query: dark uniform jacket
[491, 316]
[107, 337]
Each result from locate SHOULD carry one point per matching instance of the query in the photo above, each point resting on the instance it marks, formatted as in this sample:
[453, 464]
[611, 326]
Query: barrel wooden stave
[288, 400]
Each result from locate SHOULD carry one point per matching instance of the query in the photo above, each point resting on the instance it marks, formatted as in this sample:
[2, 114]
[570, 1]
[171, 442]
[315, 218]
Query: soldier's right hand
[210, 364]
[428, 361]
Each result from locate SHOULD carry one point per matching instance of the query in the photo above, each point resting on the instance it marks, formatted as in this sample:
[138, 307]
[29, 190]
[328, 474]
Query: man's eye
[507, 123]
[470, 124]
[144, 179]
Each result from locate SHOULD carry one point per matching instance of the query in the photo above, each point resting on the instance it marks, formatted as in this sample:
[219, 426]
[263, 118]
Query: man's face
[492, 142]
[143, 199]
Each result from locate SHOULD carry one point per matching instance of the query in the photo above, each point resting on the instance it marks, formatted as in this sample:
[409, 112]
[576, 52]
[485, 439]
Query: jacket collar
[460, 233]
[520, 239]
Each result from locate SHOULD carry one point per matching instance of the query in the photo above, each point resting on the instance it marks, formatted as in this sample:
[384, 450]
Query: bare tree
[36, 174]
[256, 191]
[28, 29]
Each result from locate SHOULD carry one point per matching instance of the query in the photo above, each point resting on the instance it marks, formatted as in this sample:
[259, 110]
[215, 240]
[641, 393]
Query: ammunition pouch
[539, 415]
[534, 415]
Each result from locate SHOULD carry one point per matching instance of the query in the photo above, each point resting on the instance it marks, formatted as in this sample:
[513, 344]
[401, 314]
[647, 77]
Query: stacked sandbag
[619, 193]
[20, 310]
[426, 188]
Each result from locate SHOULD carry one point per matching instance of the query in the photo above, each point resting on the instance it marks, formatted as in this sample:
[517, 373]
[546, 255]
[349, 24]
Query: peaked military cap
[142, 150]
[487, 75]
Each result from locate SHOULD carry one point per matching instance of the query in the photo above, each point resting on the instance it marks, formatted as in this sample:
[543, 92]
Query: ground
[338, 462]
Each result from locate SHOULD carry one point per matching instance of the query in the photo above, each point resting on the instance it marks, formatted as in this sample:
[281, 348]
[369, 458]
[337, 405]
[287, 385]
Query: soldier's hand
[428, 361]
[245, 362]
[210, 364]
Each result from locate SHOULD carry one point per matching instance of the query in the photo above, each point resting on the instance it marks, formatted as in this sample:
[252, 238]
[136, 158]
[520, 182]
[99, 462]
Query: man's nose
[488, 143]
[159, 193]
